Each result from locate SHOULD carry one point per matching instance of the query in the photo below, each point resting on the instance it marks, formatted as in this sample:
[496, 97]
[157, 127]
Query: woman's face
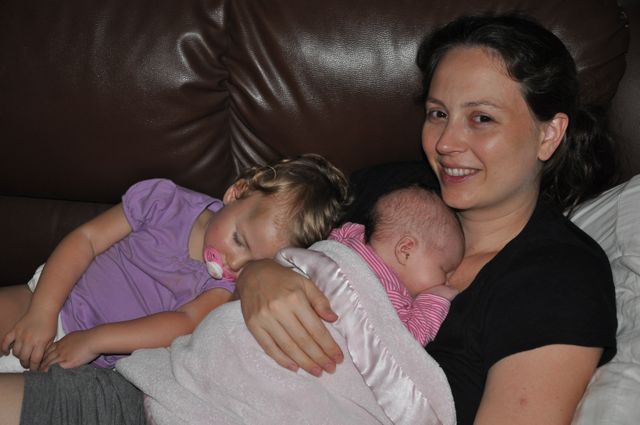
[479, 135]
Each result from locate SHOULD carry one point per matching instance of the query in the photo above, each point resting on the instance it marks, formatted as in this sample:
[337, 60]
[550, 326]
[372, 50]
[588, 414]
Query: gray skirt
[84, 395]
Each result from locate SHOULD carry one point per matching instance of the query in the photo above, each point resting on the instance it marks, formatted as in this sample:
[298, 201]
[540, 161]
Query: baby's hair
[315, 191]
[414, 210]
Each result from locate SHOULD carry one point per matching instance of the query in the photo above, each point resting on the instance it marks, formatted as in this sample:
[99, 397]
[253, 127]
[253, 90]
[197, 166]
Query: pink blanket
[219, 374]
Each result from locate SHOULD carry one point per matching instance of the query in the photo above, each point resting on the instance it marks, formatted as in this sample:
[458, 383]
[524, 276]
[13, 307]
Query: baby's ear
[404, 248]
[235, 191]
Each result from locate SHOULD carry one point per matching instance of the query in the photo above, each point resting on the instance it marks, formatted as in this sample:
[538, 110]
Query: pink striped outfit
[422, 315]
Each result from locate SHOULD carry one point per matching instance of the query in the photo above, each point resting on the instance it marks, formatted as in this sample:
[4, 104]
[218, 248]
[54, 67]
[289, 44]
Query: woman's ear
[404, 248]
[235, 191]
[553, 134]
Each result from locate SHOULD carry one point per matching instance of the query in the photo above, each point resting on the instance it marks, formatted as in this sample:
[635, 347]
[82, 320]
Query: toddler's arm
[426, 313]
[156, 330]
[34, 332]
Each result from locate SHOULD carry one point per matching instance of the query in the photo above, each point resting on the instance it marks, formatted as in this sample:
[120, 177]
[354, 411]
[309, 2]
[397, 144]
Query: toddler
[412, 242]
[152, 267]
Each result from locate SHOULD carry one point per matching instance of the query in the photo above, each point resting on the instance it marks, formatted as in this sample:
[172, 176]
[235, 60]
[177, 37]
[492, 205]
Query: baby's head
[417, 235]
[294, 202]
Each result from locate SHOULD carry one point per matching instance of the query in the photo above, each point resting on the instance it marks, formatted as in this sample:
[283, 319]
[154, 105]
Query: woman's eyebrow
[476, 103]
[432, 100]
[469, 104]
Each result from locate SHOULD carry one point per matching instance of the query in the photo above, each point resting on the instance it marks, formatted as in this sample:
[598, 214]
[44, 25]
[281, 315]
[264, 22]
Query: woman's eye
[481, 119]
[436, 114]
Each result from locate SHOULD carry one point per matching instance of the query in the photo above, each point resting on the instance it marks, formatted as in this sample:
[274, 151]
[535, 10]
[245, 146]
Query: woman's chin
[457, 201]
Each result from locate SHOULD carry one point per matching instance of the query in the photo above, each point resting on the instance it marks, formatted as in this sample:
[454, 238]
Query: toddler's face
[244, 230]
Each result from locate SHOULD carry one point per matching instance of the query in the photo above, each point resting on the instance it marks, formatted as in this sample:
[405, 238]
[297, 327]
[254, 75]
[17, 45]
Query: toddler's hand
[443, 291]
[30, 337]
[75, 349]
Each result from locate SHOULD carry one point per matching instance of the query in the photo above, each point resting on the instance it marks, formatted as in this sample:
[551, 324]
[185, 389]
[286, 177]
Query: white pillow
[613, 219]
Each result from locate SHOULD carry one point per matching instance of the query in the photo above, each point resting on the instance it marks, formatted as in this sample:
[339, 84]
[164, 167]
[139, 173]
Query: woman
[536, 313]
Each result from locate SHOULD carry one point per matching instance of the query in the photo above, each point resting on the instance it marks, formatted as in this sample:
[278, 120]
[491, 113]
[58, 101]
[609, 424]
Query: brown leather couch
[96, 95]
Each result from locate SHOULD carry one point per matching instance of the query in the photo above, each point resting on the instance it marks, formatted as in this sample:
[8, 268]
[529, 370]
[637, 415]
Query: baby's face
[432, 268]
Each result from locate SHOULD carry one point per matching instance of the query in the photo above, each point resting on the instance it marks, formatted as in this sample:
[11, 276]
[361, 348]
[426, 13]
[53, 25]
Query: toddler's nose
[237, 261]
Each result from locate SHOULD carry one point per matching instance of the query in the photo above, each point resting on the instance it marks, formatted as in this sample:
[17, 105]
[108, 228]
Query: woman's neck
[486, 233]
[489, 230]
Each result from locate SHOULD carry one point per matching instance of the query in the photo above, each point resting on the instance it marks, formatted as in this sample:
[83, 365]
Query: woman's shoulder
[550, 254]
[550, 238]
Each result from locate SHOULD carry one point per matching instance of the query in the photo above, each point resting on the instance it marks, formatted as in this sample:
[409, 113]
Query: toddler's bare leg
[14, 302]
[11, 393]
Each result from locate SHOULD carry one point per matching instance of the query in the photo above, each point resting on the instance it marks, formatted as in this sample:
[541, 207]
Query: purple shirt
[150, 270]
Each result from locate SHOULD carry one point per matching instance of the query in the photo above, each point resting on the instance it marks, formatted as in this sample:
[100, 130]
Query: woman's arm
[540, 386]
[156, 330]
[284, 312]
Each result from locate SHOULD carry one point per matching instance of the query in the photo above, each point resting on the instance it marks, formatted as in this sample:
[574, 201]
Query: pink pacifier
[213, 260]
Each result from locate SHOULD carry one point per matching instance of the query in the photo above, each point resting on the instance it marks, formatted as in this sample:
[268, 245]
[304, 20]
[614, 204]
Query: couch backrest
[95, 95]
[624, 114]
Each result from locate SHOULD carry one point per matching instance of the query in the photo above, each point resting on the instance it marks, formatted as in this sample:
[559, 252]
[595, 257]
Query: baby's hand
[443, 291]
[75, 349]
[30, 337]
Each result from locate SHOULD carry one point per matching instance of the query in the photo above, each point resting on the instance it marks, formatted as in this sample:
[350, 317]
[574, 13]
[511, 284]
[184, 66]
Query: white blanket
[220, 375]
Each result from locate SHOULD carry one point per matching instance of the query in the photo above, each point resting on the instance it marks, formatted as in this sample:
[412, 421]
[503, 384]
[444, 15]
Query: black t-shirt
[551, 284]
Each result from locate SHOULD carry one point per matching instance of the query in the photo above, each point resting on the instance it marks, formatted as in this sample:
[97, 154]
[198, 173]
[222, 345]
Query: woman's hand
[75, 349]
[30, 337]
[284, 312]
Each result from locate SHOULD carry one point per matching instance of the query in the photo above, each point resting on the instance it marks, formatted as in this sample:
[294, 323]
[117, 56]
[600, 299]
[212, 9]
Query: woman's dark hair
[583, 164]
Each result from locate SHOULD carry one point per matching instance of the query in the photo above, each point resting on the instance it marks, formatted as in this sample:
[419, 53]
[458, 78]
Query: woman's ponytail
[584, 164]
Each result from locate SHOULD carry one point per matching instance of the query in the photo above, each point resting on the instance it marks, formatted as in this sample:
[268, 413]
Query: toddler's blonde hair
[315, 192]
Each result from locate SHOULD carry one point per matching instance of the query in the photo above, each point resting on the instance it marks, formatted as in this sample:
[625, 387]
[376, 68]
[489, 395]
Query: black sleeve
[558, 295]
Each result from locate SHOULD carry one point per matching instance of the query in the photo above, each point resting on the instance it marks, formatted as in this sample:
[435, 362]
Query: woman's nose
[450, 139]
